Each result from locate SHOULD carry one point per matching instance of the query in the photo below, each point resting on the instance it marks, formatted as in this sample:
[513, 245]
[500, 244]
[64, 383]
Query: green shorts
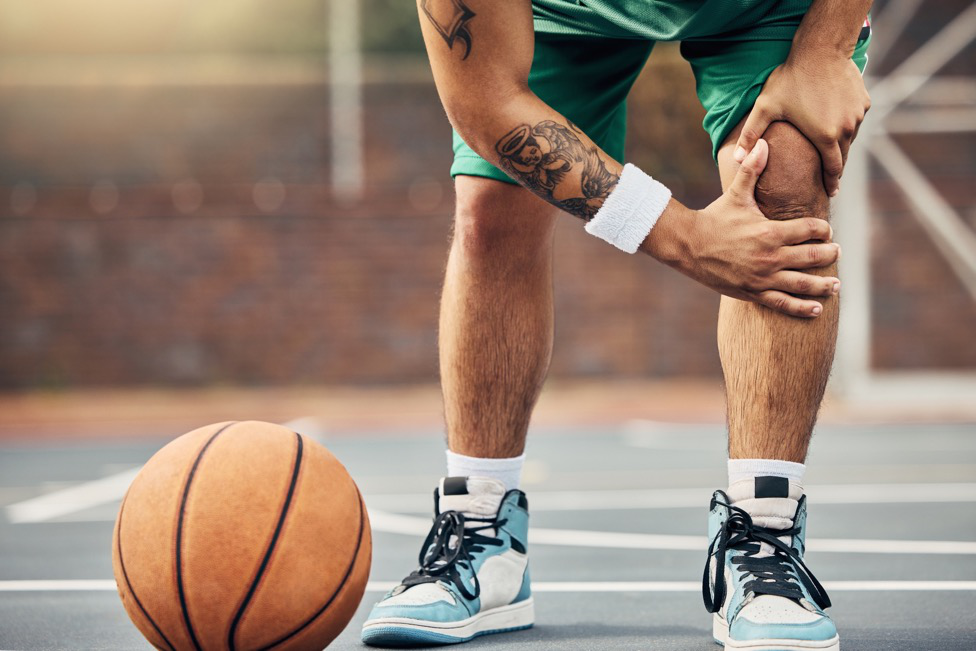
[587, 79]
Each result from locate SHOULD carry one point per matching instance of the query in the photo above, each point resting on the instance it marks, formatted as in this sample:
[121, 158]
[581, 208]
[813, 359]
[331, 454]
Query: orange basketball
[242, 536]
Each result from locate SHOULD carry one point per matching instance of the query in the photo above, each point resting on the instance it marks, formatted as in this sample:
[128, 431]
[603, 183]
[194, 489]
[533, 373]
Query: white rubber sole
[720, 631]
[386, 630]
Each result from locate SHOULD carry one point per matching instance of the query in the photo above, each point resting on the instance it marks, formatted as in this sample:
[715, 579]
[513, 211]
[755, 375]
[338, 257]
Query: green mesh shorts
[585, 64]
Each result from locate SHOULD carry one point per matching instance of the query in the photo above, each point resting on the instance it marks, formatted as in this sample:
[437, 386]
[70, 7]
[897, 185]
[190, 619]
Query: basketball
[242, 536]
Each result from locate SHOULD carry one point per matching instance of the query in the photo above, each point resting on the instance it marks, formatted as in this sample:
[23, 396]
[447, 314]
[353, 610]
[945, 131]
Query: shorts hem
[475, 166]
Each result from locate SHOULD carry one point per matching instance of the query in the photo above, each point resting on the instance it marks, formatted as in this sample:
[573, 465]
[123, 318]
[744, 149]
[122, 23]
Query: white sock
[740, 469]
[507, 471]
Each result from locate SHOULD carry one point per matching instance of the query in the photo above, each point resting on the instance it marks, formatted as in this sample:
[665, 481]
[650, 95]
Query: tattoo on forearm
[550, 160]
[450, 18]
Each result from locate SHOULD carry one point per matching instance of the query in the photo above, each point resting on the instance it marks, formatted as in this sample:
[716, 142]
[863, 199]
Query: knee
[496, 220]
[792, 184]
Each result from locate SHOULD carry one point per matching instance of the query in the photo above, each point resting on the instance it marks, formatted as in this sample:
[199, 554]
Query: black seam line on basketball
[342, 584]
[274, 541]
[179, 536]
[128, 584]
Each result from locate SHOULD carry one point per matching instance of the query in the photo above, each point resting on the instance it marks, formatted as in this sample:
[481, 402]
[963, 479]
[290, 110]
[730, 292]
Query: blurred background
[235, 198]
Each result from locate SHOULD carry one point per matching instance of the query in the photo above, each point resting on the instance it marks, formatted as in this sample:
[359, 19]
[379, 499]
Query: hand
[732, 248]
[824, 97]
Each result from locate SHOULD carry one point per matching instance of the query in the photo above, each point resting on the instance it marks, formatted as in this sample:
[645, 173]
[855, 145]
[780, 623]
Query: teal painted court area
[617, 542]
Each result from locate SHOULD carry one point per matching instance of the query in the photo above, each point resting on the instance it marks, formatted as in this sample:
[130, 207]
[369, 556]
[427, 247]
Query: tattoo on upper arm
[450, 18]
[550, 160]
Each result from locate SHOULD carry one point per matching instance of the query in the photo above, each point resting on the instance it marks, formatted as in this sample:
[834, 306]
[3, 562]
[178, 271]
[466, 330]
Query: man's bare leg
[776, 367]
[495, 344]
[496, 322]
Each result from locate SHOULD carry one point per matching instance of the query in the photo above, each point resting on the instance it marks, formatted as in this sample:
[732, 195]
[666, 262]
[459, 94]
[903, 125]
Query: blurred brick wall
[184, 234]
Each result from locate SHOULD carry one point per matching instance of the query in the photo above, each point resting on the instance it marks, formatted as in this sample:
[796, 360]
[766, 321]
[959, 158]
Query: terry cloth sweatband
[631, 210]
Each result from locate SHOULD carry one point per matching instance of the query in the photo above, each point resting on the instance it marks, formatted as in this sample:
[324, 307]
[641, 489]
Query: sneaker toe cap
[427, 601]
[743, 629]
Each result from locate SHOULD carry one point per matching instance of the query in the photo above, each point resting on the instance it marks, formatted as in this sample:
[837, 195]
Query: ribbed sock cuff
[740, 469]
[507, 471]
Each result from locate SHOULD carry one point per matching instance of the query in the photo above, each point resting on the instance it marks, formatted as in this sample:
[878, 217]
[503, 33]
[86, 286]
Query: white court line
[71, 585]
[546, 501]
[72, 499]
[412, 526]
[108, 489]
[108, 585]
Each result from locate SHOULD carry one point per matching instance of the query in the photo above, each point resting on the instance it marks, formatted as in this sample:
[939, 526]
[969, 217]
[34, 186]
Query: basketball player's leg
[496, 309]
[776, 367]
[495, 343]
[496, 319]
[495, 339]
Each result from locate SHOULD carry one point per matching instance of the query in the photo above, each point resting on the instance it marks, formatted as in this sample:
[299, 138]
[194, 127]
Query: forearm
[548, 155]
[542, 151]
[830, 26]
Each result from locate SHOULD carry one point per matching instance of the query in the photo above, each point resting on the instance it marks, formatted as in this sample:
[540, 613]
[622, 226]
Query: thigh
[587, 79]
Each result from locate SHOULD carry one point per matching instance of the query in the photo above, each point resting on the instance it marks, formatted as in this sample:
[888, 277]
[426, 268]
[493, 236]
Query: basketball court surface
[617, 543]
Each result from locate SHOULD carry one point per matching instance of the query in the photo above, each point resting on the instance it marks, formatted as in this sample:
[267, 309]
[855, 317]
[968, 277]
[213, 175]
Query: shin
[776, 367]
[496, 316]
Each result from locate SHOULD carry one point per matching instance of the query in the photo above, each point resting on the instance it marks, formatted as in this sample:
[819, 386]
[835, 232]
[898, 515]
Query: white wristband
[631, 210]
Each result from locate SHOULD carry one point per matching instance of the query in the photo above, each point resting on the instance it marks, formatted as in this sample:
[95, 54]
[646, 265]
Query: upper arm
[480, 50]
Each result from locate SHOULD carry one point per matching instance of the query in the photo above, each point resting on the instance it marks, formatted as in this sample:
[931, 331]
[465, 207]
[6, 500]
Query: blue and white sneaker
[474, 574]
[761, 593]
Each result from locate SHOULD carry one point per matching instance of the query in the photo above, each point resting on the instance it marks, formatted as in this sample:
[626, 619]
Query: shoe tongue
[770, 501]
[474, 496]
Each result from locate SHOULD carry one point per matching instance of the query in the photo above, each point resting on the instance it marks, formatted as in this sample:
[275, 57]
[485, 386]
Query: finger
[798, 231]
[744, 183]
[809, 256]
[797, 282]
[755, 126]
[790, 305]
[833, 166]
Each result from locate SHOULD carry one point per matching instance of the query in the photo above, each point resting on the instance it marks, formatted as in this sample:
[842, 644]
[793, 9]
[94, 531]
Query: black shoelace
[439, 561]
[773, 575]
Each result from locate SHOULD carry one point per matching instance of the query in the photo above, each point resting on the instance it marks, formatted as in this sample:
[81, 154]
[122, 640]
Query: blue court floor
[617, 541]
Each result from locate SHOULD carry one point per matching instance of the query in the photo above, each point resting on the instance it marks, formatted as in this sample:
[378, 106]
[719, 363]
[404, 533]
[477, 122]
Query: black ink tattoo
[550, 160]
[450, 18]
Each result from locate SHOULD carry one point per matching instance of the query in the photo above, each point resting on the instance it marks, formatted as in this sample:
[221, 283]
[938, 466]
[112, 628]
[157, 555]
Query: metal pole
[852, 229]
[345, 64]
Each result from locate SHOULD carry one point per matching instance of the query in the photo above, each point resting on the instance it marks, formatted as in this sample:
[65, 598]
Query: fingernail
[835, 192]
[838, 251]
[817, 310]
[831, 236]
[836, 288]
[739, 155]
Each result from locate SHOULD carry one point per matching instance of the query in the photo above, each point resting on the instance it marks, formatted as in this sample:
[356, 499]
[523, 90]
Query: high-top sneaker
[473, 577]
[761, 593]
